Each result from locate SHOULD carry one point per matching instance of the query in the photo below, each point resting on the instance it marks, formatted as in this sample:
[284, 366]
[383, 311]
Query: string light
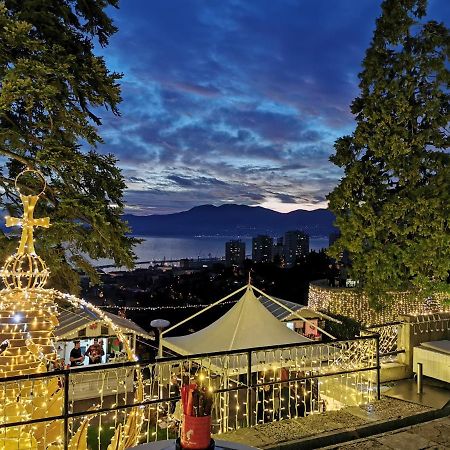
[355, 304]
[28, 317]
[158, 308]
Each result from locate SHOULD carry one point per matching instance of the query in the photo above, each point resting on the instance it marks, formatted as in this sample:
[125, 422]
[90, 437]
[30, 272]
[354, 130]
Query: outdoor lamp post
[159, 324]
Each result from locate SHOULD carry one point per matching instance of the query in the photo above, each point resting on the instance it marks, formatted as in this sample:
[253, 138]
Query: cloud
[285, 198]
[235, 101]
[195, 182]
[135, 180]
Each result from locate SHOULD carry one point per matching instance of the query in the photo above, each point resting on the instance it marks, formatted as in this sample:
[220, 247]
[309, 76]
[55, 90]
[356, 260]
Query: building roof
[279, 312]
[248, 324]
[282, 314]
[73, 319]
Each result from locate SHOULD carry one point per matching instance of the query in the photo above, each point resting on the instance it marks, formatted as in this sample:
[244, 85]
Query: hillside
[232, 220]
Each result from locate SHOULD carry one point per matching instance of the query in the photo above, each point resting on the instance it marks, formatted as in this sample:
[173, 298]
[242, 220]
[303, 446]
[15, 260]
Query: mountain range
[232, 220]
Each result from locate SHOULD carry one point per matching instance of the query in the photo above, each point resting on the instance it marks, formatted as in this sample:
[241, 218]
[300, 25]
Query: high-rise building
[278, 252]
[262, 247]
[296, 245]
[234, 252]
[344, 257]
[332, 238]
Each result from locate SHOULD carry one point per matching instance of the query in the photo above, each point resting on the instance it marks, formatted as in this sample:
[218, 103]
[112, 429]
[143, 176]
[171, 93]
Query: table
[170, 445]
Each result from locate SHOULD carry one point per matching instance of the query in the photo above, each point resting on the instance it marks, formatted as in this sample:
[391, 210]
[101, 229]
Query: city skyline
[235, 102]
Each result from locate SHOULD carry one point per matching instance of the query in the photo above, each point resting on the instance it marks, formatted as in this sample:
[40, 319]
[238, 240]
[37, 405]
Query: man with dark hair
[76, 358]
[95, 352]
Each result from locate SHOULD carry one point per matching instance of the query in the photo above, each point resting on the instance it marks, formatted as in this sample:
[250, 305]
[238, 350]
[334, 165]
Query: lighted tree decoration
[393, 204]
[28, 317]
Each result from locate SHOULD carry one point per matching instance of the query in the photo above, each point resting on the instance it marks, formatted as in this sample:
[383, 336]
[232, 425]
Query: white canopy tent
[248, 324]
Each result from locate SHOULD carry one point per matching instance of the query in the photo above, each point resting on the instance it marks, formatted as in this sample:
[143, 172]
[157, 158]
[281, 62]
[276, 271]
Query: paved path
[429, 435]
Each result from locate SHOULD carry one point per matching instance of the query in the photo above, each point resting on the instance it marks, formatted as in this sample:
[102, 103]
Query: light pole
[159, 324]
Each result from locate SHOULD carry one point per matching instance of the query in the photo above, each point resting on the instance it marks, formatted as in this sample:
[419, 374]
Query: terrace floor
[290, 433]
[435, 394]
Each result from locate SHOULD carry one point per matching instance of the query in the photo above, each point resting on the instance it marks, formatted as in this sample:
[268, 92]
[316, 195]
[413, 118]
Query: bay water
[157, 248]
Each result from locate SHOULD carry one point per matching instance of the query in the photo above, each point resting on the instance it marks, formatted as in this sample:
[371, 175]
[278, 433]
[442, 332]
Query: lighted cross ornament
[27, 222]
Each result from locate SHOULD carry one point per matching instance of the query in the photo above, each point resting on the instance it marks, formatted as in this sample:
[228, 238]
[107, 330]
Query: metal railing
[430, 323]
[249, 387]
[388, 339]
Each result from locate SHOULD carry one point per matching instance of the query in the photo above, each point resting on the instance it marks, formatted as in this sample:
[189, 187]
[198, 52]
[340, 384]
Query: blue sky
[235, 101]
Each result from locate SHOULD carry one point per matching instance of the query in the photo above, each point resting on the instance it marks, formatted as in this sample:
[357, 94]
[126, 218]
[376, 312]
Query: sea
[157, 248]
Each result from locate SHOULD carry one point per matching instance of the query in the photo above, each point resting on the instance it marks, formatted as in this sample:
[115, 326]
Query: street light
[159, 324]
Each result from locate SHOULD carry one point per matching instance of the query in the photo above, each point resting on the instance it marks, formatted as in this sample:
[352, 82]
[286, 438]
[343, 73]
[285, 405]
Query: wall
[418, 329]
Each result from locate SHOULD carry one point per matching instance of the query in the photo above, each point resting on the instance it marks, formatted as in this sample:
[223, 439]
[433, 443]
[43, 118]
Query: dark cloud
[285, 198]
[195, 182]
[205, 91]
[135, 180]
[255, 169]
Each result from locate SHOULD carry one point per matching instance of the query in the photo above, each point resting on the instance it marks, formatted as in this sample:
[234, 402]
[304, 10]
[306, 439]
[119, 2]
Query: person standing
[76, 358]
[95, 352]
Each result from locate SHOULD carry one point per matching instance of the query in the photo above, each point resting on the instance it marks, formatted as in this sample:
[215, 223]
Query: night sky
[229, 101]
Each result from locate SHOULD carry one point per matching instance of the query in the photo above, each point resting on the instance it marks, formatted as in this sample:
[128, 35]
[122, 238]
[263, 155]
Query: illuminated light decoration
[159, 308]
[28, 317]
[355, 304]
[25, 269]
[17, 317]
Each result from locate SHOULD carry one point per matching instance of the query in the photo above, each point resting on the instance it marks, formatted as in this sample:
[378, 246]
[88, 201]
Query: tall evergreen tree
[393, 203]
[52, 87]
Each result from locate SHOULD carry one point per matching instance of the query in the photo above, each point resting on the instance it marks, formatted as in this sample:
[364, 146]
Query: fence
[139, 401]
[388, 339]
[430, 324]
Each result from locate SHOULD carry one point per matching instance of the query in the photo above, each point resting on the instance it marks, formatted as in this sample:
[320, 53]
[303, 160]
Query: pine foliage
[393, 203]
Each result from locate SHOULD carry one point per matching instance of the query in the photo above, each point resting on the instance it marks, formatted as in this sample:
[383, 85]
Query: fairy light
[28, 317]
[355, 304]
[164, 307]
[17, 317]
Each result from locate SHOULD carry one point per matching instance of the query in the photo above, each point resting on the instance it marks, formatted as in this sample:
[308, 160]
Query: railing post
[249, 388]
[66, 409]
[378, 367]
[419, 378]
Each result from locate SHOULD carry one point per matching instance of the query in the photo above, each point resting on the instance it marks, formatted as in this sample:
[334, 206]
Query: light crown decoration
[25, 269]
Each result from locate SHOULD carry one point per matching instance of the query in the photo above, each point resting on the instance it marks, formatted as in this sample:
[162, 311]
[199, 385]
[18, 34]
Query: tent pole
[203, 310]
[292, 312]
[324, 316]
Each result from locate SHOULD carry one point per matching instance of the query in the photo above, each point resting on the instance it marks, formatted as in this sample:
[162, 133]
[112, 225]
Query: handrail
[98, 367]
[70, 415]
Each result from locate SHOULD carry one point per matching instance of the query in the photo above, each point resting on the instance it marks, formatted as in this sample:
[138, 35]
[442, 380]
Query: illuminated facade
[262, 247]
[296, 245]
[234, 253]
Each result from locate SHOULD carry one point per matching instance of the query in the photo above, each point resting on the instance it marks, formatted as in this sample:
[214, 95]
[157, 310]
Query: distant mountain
[232, 220]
